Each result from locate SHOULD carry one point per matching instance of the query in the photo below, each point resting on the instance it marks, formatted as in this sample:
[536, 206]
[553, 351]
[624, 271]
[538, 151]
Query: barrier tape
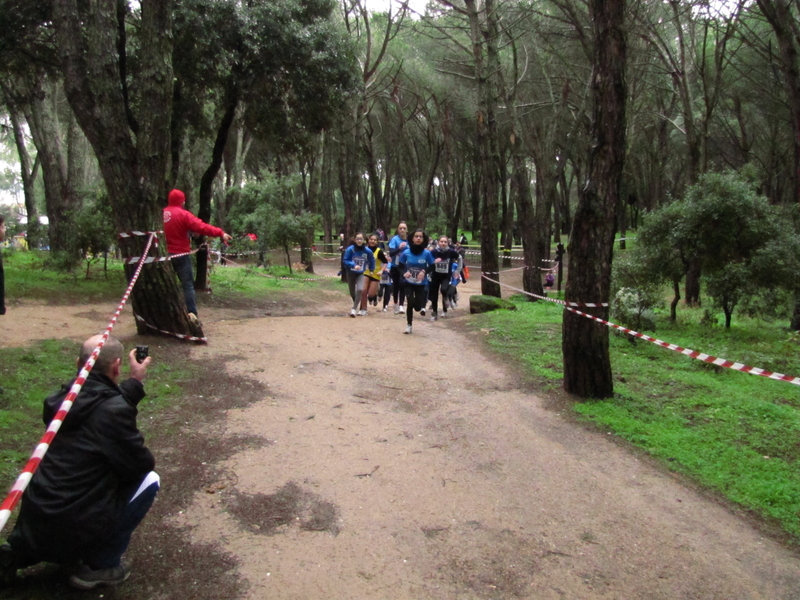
[181, 336]
[152, 259]
[553, 300]
[55, 424]
[235, 264]
[720, 362]
[127, 234]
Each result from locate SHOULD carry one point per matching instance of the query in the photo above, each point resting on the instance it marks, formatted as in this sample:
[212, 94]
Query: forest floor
[316, 456]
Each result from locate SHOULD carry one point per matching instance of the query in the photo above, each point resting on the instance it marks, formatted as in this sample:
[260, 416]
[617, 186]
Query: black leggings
[417, 299]
[398, 286]
[439, 284]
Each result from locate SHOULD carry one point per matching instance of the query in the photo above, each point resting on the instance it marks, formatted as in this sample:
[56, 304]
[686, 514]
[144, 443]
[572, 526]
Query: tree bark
[28, 170]
[587, 365]
[134, 166]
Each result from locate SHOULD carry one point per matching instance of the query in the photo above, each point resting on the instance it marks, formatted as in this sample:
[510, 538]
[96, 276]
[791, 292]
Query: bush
[634, 308]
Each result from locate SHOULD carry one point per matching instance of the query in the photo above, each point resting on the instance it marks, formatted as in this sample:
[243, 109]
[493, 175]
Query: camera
[142, 352]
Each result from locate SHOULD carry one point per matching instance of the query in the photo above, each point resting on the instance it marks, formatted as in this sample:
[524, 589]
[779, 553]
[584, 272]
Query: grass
[735, 433]
[28, 375]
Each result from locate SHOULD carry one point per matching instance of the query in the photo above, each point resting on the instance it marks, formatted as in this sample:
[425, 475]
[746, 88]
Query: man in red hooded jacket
[179, 225]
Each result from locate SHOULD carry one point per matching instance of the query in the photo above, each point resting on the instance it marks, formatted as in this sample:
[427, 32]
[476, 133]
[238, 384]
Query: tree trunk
[28, 170]
[485, 73]
[133, 166]
[783, 22]
[587, 365]
[693, 284]
[61, 198]
[673, 307]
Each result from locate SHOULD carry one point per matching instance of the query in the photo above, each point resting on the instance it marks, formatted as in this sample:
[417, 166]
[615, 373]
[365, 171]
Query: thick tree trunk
[587, 365]
[134, 167]
[483, 31]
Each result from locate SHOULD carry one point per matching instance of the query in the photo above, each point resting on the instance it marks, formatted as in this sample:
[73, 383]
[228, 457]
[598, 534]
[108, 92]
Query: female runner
[397, 245]
[444, 257]
[415, 263]
[357, 260]
[373, 276]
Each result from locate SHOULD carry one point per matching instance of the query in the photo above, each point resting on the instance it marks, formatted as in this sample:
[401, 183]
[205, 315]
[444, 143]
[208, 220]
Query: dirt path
[394, 466]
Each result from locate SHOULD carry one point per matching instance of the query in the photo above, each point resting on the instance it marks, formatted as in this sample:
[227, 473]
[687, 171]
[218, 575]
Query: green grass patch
[735, 433]
[28, 275]
[28, 375]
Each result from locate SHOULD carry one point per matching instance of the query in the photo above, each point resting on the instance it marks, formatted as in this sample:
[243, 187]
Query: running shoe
[434, 316]
[362, 312]
[353, 312]
[402, 309]
[385, 309]
[422, 312]
[396, 309]
[408, 329]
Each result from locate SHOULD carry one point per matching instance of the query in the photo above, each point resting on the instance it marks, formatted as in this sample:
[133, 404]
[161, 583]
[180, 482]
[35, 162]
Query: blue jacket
[415, 263]
[394, 246]
[359, 256]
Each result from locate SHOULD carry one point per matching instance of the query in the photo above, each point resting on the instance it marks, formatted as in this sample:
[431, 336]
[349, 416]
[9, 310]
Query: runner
[416, 262]
[373, 276]
[397, 246]
[386, 285]
[444, 257]
[357, 259]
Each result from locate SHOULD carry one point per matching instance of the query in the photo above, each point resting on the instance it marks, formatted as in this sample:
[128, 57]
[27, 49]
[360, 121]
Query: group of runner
[412, 268]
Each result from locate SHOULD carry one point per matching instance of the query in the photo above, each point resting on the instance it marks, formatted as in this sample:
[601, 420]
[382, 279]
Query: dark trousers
[183, 268]
[109, 554]
[417, 299]
[398, 286]
[439, 284]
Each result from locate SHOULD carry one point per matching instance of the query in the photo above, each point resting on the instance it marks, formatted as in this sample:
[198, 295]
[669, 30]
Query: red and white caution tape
[720, 362]
[182, 336]
[55, 424]
[152, 259]
[127, 234]
[554, 300]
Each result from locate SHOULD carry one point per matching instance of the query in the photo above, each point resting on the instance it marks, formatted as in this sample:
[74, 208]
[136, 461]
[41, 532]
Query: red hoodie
[180, 224]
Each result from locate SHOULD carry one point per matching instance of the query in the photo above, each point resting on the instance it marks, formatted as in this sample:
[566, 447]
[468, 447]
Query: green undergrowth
[249, 281]
[28, 375]
[735, 433]
[29, 275]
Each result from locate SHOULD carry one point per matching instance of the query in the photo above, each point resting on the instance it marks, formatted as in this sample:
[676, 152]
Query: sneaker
[353, 312]
[8, 566]
[362, 312]
[434, 316]
[444, 314]
[396, 309]
[408, 329]
[422, 312]
[402, 309]
[385, 309]
[86, 578]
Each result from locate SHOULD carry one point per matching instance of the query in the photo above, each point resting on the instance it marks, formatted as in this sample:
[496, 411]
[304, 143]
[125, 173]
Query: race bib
[359, 262]
[415, 271]
[442, 267]
[386, 278]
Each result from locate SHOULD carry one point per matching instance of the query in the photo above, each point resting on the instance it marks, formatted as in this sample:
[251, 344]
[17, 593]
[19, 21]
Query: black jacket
[94, 465]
